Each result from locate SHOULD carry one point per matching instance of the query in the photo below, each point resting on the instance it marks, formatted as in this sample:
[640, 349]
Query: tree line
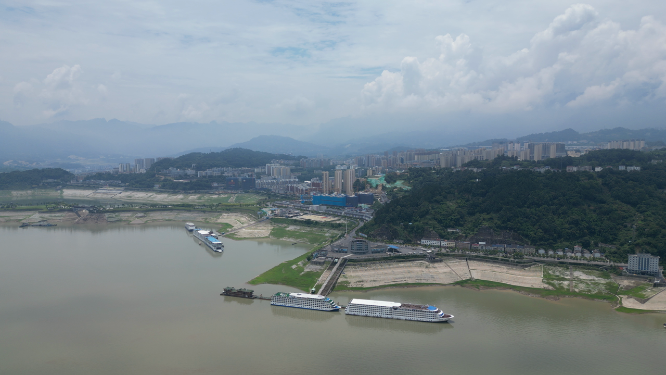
[34, 178]
[551, 209]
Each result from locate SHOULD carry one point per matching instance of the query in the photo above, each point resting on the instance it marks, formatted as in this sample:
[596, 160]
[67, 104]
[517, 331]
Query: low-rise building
[430, 242]
[644, 264]
[359, 246]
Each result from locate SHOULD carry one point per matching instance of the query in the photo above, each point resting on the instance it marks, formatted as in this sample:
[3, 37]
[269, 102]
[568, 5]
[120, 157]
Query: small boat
[664, 325]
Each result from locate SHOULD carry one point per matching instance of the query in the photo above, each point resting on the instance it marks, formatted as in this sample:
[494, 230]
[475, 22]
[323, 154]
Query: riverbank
[544, 281]
[213, 219]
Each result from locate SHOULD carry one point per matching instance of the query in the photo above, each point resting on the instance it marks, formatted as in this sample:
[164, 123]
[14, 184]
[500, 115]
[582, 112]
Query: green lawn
[637, 292]
[225, 227]
[312, 237]
[628, 310]
[289, 273]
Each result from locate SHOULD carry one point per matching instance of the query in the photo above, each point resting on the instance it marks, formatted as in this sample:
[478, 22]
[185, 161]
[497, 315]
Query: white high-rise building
[338, 181]
[325, 183]
[350, 177]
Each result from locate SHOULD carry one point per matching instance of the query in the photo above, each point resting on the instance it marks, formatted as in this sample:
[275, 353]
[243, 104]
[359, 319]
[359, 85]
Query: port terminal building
[341, 200]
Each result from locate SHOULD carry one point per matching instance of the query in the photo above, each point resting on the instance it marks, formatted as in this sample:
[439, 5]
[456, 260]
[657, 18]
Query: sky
[509, 65]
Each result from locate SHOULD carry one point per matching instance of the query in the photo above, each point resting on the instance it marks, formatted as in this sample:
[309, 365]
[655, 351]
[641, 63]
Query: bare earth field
[657, 302]
[121, 196]
[374, 274]
[528, 277]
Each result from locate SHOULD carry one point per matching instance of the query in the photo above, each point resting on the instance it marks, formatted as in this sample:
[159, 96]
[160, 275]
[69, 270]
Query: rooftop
[374, 303]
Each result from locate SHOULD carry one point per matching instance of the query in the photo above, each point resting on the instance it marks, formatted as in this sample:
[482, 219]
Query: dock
[332, 279]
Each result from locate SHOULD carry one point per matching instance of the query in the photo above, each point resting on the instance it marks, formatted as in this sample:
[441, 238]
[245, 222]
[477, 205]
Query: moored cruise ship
[395, 310]
[304, 301]
[210, 241]
[190, 226]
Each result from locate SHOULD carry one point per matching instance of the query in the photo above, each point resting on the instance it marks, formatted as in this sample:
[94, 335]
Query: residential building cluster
[139, 166]
[522, 151]
[633, 144]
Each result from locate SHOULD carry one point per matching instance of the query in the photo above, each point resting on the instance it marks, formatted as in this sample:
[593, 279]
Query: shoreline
[176, 218]
[509, 288]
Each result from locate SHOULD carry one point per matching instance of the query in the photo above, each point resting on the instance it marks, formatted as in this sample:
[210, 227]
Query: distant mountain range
[274, 144]
[112, 141]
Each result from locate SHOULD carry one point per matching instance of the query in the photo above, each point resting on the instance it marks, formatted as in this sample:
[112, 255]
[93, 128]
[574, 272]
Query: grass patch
[290, 273]
[558, 292]
[637, 292]
[308, 236]
[225, 227]
[628, 310]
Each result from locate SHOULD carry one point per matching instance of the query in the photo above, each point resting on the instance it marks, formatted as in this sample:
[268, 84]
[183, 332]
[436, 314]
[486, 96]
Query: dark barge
[242, 293]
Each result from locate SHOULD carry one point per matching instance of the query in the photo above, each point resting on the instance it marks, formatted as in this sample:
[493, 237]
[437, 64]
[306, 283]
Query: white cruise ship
[304, 301]
[190, 226]
[207, 238]
[395, 310]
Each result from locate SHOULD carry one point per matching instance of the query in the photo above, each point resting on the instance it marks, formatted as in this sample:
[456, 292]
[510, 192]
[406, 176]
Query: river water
[145, 300]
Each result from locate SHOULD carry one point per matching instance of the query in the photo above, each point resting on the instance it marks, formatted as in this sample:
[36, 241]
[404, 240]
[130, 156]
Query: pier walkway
[332, 279]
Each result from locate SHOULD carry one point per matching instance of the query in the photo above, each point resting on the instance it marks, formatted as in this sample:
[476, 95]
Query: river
[146, 300]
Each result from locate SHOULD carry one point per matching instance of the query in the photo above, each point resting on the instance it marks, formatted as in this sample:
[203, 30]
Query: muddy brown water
[145, 300]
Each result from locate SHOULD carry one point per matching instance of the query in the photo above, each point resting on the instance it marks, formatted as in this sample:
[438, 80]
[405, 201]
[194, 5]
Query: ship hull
[399, 311]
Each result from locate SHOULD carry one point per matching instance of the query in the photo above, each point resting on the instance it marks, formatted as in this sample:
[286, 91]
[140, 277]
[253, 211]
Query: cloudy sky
[308, 63]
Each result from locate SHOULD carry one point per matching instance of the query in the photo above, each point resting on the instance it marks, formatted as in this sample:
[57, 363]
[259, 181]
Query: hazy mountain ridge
[101, 138]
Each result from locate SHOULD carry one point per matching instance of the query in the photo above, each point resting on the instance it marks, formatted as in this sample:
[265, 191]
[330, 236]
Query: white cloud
[595, 94]
[297, 105]
[22, 93]
[306, 62]
[62, 78]
[196, 111]
[575, 57]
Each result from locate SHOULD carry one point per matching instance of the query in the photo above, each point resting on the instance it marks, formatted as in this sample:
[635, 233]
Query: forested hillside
[551, 209]
[231, 158]
[34, 177]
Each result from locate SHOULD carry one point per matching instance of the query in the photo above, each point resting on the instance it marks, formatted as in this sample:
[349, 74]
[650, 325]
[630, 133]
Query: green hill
[231, 158]
[551, 209]
[34, 177]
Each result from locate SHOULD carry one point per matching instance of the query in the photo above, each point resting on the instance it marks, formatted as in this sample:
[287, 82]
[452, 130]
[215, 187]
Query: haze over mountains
[115, 140]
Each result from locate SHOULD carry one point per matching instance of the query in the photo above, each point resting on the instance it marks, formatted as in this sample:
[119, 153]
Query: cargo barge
[242, 292]
[395, 310]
